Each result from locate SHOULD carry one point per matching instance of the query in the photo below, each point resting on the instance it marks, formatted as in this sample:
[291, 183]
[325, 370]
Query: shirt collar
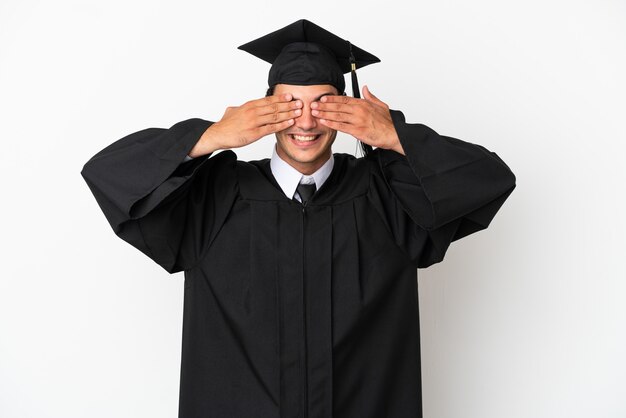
[288, 177]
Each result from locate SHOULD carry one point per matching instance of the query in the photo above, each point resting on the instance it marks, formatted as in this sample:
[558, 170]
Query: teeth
[304, 137]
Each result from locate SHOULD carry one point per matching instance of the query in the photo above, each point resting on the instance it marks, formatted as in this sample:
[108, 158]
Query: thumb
[367, 94]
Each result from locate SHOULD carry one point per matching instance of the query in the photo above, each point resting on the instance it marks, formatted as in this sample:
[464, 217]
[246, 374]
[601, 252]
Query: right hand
[242, 125]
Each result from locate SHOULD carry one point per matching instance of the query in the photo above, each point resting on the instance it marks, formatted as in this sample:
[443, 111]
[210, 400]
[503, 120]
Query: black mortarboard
[303, 53]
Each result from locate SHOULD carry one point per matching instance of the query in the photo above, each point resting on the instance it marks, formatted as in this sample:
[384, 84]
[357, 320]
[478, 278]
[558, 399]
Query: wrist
[207, 143]
[396, 145]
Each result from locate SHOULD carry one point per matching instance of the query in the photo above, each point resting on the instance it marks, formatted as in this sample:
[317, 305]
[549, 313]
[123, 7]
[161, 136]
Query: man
[300, 270]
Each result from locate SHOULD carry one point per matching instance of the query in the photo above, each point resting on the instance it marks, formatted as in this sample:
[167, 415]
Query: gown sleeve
[168, 207]
[442, 190]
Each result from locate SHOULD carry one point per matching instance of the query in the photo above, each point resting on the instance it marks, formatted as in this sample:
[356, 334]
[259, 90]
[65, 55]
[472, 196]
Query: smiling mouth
[303, 138]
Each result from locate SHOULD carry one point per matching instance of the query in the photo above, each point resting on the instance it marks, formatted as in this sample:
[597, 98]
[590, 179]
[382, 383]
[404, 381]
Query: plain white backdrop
[523, 320]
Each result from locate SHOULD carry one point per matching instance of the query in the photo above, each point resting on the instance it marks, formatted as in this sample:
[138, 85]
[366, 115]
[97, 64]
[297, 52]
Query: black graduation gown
[293, 311]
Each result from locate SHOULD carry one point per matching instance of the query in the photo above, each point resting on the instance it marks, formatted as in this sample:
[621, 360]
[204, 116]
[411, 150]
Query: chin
[309, 149]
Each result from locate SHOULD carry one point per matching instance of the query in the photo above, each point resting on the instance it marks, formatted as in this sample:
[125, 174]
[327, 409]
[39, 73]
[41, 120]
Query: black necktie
[306, 191]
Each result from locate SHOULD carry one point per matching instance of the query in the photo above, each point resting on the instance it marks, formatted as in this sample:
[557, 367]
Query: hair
[365, 148]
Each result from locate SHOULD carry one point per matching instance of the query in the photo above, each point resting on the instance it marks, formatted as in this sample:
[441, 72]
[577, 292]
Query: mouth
[303, 137]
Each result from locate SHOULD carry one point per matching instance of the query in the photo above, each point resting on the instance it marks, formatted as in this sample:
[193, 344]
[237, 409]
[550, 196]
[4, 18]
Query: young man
[300, 270]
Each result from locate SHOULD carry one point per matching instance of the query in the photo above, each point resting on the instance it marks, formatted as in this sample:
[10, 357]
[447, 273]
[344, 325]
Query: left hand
[367, 119]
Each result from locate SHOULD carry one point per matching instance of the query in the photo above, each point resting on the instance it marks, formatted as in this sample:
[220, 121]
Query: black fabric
[306, 64]
[304, 53]
[306, 191]
[292, 310]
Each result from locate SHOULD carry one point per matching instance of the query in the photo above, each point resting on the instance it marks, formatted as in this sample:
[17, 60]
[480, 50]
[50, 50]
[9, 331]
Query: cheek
[281, 136]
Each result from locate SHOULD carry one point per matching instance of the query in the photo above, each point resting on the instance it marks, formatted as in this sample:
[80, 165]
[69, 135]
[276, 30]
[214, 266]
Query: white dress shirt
[288, 177]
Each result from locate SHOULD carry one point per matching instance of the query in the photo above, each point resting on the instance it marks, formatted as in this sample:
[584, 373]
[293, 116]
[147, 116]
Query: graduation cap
[303, 53]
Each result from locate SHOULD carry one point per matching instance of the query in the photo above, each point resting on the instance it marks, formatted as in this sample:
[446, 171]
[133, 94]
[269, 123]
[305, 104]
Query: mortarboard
[303, 53]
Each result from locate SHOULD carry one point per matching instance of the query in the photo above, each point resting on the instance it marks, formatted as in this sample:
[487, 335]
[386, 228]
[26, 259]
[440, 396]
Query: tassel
[356, 93]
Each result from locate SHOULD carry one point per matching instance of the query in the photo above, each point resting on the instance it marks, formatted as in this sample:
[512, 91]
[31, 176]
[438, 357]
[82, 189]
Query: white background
[526, 319]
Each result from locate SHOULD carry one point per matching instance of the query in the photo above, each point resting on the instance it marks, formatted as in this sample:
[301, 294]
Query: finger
[367, 94]
[338, 99]
[333, 116]
[277, 117]
[268, 100]
[271, 128]
[335, 107]
[278, 107]
[340, 126]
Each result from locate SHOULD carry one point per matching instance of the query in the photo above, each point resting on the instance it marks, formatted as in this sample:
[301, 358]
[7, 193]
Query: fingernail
[299, 103]
[314, 105]
[291, 121]
[323, 99]
[315, 112]
[298, 111]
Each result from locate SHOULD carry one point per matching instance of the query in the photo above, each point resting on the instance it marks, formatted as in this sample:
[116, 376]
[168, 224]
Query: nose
[306, 121]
